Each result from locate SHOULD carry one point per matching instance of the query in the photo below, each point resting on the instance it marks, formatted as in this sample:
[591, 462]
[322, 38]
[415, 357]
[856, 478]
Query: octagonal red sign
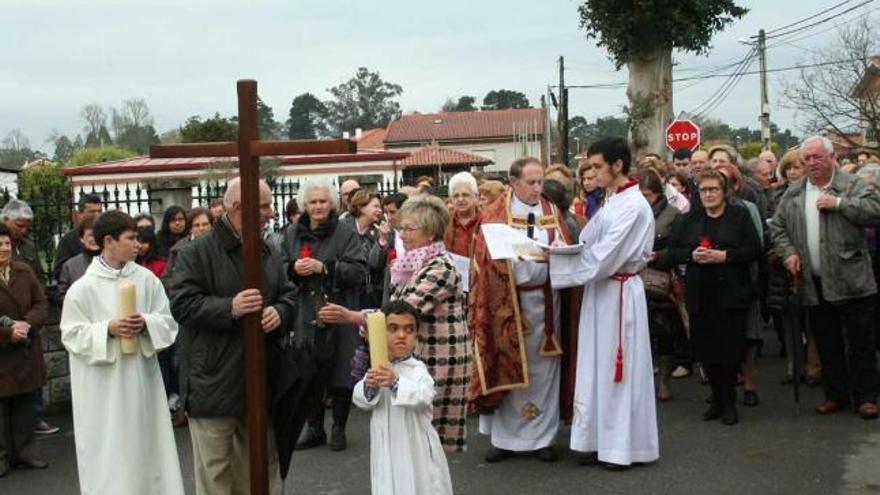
[682, 134]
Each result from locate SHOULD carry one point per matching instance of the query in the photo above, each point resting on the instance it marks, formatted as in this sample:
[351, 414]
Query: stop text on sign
[682, 134]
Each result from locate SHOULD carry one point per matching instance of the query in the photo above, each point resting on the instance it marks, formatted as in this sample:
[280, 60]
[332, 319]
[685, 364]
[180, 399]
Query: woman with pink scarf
[427, 278]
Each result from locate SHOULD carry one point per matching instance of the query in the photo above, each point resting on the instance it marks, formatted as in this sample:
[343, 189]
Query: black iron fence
[53, 207]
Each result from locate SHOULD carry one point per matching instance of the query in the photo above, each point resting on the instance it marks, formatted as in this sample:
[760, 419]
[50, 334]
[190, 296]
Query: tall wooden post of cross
[249, 149]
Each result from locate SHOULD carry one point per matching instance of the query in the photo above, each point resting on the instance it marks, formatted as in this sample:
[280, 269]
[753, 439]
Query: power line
[714, 76]
[726, 88]
[805, 19]
[830, 28]
[819, 22]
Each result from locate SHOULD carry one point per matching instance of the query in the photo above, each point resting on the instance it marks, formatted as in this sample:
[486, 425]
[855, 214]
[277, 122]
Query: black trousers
[722, 380]
[340, 398]
[16, 427]
[845, 341]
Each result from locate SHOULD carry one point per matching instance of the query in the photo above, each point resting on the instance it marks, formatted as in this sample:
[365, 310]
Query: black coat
[737, 236]
[207, 275]
[339, 248]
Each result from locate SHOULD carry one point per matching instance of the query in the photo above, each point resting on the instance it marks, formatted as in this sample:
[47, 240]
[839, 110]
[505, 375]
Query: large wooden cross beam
[249, 149]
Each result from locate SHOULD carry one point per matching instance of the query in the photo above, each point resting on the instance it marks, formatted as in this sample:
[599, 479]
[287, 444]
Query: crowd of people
[648, 270]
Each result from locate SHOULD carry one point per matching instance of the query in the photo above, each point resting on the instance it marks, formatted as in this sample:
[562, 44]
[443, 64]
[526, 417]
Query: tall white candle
[128, 307]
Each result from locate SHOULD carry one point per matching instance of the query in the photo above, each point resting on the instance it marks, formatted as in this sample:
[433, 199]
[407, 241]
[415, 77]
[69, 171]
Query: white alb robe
[528, 419]
[617, 420]
[406, 457]
[124, 439]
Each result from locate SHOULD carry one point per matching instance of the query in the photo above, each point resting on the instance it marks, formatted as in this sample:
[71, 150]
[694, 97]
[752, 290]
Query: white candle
[128, 307]
[378, 338]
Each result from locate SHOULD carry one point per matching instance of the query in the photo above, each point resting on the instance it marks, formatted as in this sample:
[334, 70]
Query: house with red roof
[498, 136]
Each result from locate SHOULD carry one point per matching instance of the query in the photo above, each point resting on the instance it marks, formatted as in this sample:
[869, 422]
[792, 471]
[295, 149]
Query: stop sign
[682, 134]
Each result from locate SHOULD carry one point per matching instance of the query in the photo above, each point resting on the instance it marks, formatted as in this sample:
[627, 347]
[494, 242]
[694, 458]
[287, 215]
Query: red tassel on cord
[618, 368]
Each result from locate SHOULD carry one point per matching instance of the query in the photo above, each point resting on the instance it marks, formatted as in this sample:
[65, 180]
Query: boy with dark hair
[405, 452]
[124, 441]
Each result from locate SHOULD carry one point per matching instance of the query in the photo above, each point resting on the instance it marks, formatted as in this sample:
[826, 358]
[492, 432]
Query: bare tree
[16, 141]
[840, 92]
[95, 118]
[137, 112]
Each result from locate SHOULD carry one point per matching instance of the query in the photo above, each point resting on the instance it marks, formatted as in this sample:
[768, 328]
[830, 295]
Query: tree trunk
[650, 101]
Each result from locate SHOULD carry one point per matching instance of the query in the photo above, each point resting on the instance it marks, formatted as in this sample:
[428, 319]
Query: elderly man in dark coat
[208, 301]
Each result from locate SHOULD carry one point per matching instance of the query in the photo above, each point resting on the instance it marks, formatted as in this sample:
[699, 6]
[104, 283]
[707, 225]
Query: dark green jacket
[846, 264]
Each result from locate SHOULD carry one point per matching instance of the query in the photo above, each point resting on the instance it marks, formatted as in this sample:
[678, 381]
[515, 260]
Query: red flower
[305, 251]
[392, 255]
[705, 243]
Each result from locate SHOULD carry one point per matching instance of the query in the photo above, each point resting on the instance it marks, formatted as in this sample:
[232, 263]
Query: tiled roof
[372, 139]
[451, 126]
[437, 155]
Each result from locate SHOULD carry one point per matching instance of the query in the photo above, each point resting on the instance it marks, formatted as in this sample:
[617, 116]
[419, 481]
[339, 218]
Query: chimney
[357, 133]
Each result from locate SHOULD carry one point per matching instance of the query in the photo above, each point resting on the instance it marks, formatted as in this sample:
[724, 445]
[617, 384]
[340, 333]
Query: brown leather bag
[658, 284]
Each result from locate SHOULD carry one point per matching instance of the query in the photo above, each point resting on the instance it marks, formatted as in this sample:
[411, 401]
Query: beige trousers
[220, 457]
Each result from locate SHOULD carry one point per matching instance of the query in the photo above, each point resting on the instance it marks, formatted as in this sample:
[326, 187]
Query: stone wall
[56, 393]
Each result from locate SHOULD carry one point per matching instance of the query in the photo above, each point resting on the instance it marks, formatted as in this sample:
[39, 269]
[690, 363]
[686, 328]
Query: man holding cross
[208, 301]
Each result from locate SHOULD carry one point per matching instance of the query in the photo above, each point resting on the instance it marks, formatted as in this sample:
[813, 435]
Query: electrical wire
[819, 22]
[805, 19]
[714, 76]
[726, 88]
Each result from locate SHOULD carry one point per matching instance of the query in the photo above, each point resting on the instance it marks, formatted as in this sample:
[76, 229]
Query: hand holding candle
[128, 307]
[378, 338]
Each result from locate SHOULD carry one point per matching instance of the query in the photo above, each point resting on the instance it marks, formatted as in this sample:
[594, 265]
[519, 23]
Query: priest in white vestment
[122, 427]
[525, 416]
[615, 419]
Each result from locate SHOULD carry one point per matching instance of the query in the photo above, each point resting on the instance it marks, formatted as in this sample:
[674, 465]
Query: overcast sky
[184, 57]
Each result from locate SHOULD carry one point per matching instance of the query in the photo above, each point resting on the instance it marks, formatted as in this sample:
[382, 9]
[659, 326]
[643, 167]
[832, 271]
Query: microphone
[530, 222]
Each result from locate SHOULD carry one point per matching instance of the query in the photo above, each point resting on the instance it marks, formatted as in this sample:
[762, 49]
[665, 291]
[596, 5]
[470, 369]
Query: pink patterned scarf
[412, 261]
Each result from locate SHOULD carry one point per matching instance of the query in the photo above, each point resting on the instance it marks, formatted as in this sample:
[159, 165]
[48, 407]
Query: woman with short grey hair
[316, 184]
[328, 264]
[426, 277]
[465, 215]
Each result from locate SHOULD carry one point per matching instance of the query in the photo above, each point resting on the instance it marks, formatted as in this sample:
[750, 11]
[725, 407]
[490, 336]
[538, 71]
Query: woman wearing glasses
[718, 243]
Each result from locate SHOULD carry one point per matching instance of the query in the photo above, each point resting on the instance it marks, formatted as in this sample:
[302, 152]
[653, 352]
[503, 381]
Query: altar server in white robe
[615, 419]
[406, 457]
[122, 427]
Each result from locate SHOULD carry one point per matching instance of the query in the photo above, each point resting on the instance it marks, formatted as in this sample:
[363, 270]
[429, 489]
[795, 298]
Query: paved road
[770, 452]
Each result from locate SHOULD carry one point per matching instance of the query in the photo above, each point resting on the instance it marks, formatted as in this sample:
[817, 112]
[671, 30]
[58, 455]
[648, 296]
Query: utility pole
[562, 123]
[765, 103]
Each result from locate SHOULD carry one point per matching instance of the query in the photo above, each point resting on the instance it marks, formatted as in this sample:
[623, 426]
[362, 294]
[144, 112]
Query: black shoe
[4, 470]
[730, 417]
[495, 454]
[547, 454]
[29, 463]
[588, 459]
[750, 398]
[712, 413]
[311, 438]
[610, 466]
[337, 439]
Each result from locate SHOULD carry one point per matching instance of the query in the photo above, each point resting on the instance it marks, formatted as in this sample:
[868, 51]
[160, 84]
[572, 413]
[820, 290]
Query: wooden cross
[249, 149]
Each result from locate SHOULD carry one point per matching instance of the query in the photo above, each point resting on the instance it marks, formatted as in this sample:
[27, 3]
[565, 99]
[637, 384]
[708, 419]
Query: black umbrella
[798, 318]
[293, 387]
